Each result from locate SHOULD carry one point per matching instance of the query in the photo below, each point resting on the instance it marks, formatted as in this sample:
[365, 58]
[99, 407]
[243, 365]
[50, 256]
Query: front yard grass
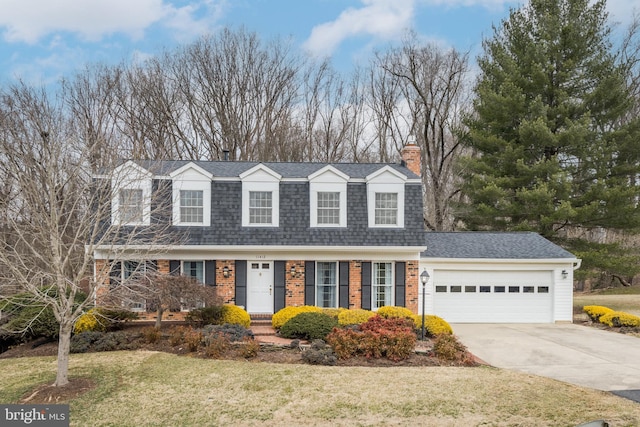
[143, 388]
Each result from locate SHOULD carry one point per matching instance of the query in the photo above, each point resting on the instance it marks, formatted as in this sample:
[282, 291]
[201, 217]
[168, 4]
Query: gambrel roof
[288, 170]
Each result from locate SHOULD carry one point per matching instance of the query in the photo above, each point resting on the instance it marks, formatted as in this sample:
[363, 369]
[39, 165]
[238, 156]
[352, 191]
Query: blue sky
[44, 40]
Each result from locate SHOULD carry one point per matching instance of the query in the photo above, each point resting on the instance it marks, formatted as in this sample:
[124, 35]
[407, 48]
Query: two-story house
[271, 235]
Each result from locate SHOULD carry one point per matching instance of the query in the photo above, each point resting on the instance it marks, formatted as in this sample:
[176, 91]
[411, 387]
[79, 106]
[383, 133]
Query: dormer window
[328, 208]
[260, 208]
[131, 208]
[131, 195]
[328, 198]
[386, 209]
[191, 206]
[385, 198]
[260, 197]
[191, 196]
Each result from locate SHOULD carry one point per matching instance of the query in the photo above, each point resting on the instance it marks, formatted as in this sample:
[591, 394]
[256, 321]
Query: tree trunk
[159, 318]
[64, 346]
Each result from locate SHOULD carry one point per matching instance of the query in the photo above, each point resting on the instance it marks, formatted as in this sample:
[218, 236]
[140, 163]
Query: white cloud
[92, 20]
[384, 19]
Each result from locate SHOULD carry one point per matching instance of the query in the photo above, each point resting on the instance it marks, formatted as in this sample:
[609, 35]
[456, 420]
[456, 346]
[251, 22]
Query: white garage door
[493, 296]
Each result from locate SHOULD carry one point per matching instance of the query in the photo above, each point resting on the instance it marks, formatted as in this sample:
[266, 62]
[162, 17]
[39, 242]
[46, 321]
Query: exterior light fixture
[225, 271]
[424, 278]
[293, 271]
[565, 274]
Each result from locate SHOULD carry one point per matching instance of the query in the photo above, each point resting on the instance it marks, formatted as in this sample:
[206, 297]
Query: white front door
[260, 287]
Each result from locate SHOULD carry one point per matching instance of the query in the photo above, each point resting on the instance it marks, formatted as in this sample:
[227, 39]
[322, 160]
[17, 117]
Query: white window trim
[130, 176]
[337, 284]
[385, 180]
[373, 284]
[328, 180]
[261, 178]
[191, 178]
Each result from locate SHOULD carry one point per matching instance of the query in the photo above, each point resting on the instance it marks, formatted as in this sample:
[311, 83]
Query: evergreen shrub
[288, 313]
[309, 326]
[596, 311]
[354, 317]
[235, 315]
[433, 325]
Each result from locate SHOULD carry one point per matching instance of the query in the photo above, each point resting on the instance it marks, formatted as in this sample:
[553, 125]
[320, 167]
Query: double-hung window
[382, 284]
[328, 208]
[260, 207]
[386, 209]
[326, 284]
[194, 269]
[191, 206]
[130, 206]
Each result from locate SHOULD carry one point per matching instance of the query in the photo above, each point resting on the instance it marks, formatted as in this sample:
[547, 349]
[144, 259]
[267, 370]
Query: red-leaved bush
[376, 338]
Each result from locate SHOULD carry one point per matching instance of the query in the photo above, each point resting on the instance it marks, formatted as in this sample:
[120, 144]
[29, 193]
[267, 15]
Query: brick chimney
[410, 154]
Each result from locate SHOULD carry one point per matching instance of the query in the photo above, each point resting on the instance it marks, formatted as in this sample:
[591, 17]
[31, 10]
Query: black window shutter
[115, 274]
[241, 283]
[279, 285]
[210, 273]
[310, 283]
[400, 284]
[366, 285]
[344, 284]
[174, 267]
[151, 265]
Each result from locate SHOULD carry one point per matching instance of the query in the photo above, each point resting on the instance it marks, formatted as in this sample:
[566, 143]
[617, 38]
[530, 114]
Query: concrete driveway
[570, 353]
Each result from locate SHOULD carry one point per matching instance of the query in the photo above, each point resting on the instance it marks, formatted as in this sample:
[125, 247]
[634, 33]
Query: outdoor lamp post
[424, 278]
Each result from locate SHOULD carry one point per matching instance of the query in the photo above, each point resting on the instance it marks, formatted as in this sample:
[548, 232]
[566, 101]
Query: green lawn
[621, 299]
[149, 389]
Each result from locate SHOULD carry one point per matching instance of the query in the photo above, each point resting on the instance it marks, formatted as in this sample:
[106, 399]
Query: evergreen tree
[553, 147]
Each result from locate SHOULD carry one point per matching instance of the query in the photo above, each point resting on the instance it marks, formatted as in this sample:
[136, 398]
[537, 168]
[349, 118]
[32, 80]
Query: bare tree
[164, 291]
[422, 91]
[55, 213]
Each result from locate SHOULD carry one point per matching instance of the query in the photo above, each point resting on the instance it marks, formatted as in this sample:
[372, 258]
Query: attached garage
[481, 277]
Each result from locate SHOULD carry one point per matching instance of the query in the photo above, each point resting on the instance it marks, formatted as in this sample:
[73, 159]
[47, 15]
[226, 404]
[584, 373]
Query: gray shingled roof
[286, 169]
[491, 245]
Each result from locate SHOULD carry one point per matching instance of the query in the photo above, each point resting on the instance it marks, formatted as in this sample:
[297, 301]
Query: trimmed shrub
[354, 317]
[334, 312]
[620, 319]
[101, 341]
[447, 347]
[102, 319]
[309, 326]
[596, 311]
[235, 333]
[433, 325]
[82, 342]
[288, 313]
[90, 321]
[199, 317]
[319, 354]
[376, 338]
[393, 312]
[235, 315]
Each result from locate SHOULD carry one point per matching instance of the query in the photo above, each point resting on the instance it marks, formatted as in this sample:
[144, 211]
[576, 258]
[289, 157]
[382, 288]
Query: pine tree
[554, 149]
